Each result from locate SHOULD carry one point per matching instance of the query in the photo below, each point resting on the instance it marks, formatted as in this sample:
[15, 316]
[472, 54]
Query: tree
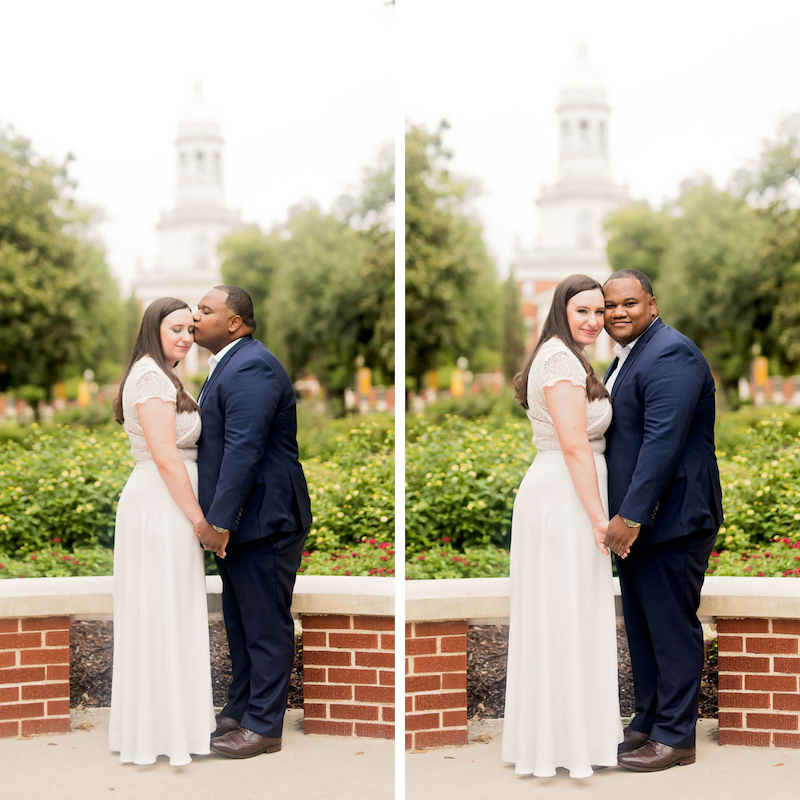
[638, 238]
[513, 329]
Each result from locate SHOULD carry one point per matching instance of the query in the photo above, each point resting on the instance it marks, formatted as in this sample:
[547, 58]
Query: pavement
[475, 772]
[79, 766]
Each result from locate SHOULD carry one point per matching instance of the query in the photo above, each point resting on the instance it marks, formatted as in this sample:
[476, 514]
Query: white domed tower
[188, 263]
[572, 211]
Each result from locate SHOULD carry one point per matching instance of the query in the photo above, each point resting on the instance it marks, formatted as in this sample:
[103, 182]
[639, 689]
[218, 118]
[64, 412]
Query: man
[665, 504]
[257, 513]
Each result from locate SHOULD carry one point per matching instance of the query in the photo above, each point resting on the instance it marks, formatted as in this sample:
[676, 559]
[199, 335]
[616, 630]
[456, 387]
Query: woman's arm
[567, 405]
[157, 418]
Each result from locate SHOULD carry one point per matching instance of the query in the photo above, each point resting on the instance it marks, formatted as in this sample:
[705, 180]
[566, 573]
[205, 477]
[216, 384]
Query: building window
[601, 137]
[217, 168]
[566, 141]
[584, 137]
[200, 163]
[182, 166]
[584, 230]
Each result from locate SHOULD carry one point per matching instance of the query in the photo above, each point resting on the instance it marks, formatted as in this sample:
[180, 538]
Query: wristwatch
[629, 522]
[220, 530]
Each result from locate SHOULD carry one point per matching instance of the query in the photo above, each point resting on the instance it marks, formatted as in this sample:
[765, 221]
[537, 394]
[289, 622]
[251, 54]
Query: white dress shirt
[215, 358]
[622, 353]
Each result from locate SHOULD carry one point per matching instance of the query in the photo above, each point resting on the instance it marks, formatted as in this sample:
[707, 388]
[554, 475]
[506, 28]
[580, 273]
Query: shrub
[53, 561]
[779, 559]
[444, 561]
[369, 557]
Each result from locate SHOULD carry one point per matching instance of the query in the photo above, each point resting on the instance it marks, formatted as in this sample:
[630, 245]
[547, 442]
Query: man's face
[629, 309]
[212, 321]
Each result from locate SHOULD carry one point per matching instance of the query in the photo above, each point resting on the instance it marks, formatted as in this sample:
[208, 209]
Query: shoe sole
[273, 748]
[679, 762]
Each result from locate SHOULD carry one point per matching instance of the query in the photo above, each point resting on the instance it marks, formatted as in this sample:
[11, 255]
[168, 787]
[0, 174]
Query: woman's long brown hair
[148, 343]
[557, 324]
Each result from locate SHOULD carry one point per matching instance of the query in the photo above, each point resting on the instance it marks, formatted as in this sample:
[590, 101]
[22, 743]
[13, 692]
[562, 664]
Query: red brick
[58, 672]
[373, 623]
[9, 729]
[22, 711]
[331, 622]
[744, 738]
[56, 638]
[456, 627]
[423, 722]
[45, 624]
[454, 644]
[730, 644]
[40, 656]
[8, 658]
[424, 683]
[367, 731]
[729, 719]
[449, 738]
[786, 702]
[13, 641]
[22, 675]
[327, 657]
[409, 704]
[786, 740]
[375, 660]
[327, 692]
[742, 626]
[314, 675]
[9, 694]
[56, 708]
[742, 664]
[37, 727]
[784, 646]
[730, 682]
[454, 680]
[409, 629]
[9, 625]
[374, 694]
[786, 626]
[742, 700]
[387, 713]
[416, 647]
[339, 711]
[387, 641]
[409, 741]
[446, 663]
[781, 722]
[357, 676]
[386, 677]
[454, 719]
[363, 641]
[769, 683]
[315, 639]
[328, 727]
[315, 710]
[790, 665]
[45, 691]
[426, 702]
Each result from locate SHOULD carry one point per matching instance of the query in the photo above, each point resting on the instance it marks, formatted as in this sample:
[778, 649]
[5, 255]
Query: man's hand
[620, 537]
[210, 539]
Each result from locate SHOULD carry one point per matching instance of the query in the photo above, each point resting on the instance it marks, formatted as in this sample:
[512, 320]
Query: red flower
[306, 553]
[57, 541]
[65, 558]
[747, 569]
[384, 558]
[347, 572]
[714, 553]
[337, 566]
[34, 557]
[760, 574]
[445, 538]
[420, 558]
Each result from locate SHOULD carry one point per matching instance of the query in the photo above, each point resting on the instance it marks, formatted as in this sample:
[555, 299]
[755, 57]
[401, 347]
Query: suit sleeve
[671, 392]
[250, 401]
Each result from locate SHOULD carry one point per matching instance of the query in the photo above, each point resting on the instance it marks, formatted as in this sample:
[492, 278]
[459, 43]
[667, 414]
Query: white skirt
[562, 700]
[161, 698]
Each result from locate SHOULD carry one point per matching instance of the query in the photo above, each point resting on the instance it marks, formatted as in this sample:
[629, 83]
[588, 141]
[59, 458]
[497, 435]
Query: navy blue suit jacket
[249, 473]
[662, 468]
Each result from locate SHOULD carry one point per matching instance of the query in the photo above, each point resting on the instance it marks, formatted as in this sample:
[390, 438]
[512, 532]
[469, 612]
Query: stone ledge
[92, 597]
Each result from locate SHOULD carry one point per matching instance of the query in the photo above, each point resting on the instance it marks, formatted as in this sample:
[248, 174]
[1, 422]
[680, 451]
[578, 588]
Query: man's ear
[655, 307]
[234, 323]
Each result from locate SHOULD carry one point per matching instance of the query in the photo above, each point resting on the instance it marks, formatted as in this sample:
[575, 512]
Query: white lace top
[145, 381]
[553, 363]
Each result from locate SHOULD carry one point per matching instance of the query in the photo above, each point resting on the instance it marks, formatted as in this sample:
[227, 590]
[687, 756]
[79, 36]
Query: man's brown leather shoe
[225, 725]
[244, 743]
[633, 740]
[655, 756]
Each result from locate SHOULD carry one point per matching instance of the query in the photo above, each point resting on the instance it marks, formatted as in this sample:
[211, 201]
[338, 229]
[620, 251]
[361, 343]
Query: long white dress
[562, 703]
[161, 697]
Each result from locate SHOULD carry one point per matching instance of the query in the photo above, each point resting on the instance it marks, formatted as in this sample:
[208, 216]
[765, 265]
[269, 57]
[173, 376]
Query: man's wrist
[220, 530]
[630, 523]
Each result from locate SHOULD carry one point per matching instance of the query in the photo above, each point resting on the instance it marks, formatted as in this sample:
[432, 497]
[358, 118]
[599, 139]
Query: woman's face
[585, 316]
[177, 334]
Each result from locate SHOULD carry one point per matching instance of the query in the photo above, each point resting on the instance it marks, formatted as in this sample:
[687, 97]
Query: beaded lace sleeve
[562, 365]
[152, 383]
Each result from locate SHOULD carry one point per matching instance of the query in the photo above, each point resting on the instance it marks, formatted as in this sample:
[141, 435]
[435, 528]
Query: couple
[627, 466]
[239, 487]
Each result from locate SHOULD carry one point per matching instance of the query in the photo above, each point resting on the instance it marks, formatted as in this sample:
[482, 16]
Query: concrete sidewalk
[79, 766]
[476, 772]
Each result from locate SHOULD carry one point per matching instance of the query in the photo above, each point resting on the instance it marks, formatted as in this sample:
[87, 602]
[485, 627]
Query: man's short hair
[632, 273]
[240, 302]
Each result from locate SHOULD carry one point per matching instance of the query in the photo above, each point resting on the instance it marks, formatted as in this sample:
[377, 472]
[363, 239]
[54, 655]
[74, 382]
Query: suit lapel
[214, 377]
[609, 371]
[640, 345]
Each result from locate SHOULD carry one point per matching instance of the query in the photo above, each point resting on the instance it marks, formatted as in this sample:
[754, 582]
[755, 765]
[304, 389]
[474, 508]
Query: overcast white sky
[694, 86]
[304, 90]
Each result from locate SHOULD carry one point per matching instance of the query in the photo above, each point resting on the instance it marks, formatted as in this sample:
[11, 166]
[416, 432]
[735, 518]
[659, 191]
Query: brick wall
[34, 676]
[436, 684]
[759, 670]
[348, 675]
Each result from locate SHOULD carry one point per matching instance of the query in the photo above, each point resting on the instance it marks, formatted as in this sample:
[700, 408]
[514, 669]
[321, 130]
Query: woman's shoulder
[555, 350]
[556, 362]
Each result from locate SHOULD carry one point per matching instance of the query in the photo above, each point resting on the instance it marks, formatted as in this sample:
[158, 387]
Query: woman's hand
[600, 529]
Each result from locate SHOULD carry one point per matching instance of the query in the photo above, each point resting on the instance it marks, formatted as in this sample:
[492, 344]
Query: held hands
[210, 539]
[600, 529]
[619, 537]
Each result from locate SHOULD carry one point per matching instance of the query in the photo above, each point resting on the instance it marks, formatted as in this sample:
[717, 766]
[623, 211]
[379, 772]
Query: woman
[161, 701]
[562, 705]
